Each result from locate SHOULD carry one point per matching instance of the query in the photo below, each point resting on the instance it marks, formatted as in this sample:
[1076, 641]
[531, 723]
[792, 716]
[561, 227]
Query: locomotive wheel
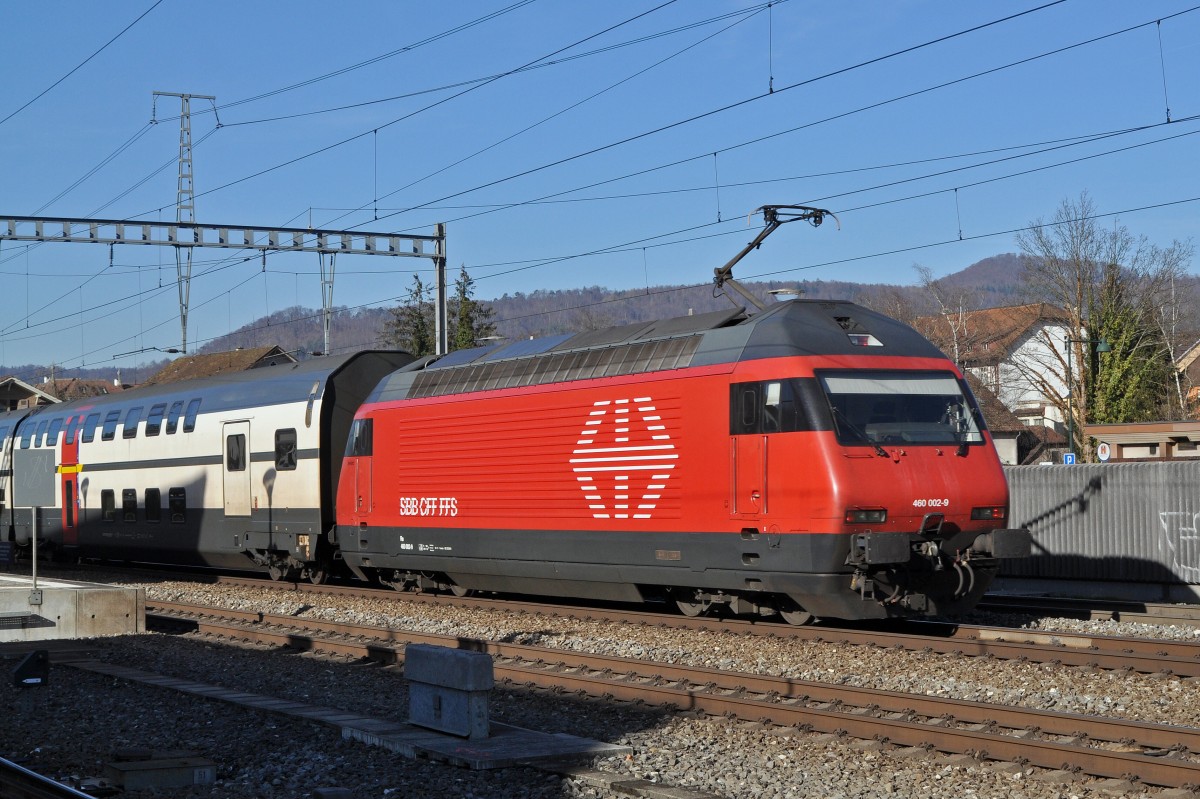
[791, 612]
[691, 608]
[318, 575]
[275, 572]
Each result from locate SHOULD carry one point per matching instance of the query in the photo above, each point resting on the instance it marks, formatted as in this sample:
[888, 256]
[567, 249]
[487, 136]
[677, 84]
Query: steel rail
[1144, 655]
[900, 718]
[18, 782]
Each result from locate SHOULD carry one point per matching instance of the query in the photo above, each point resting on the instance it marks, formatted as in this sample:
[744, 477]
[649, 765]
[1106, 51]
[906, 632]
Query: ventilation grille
[557, 367]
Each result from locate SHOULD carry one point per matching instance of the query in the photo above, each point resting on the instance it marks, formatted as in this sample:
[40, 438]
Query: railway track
[1142, 655]
[1103, 747]
[18, 782]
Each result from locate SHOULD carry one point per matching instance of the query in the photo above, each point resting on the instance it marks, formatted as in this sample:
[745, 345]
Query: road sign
[1103, 451]
[1069, 458]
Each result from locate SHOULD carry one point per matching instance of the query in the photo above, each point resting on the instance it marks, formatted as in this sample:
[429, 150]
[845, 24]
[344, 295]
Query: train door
[747, 451]
[69, 474]
[236, 436]
[362, 486]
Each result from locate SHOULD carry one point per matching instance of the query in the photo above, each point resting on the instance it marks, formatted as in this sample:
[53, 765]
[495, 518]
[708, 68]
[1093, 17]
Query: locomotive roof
[792, 328]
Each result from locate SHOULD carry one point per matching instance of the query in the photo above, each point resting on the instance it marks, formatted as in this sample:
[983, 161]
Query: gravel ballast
[79, 721]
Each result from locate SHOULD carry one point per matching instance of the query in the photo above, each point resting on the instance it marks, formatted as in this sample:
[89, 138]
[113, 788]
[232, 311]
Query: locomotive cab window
[883, 407]
[285, 450]
[770, 406]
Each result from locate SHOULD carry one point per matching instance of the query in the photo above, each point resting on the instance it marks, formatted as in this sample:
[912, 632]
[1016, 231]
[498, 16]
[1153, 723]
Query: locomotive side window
[52, 434]
[361, 438]
[874, 407]
[153, 505]
[235, 453]
[154, 420]
[173, 416]
[129, 504]
[771, 406]
[177, 505]
[189, 416]
[129, 429]
[108, 505]
[109, 431]
[89, 427]
[285, 450]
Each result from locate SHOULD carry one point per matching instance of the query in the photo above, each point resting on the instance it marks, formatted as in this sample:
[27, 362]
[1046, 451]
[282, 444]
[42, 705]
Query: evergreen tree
[469, 320]
[410, 326]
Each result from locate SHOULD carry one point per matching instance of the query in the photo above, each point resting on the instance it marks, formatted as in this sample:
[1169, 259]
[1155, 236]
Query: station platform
[64, 609]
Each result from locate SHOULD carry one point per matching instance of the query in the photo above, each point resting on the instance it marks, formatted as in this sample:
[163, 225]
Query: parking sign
[1069, 458]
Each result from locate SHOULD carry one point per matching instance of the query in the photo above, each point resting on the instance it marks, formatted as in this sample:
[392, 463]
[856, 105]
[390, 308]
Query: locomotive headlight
[866, 515]
[991, 513]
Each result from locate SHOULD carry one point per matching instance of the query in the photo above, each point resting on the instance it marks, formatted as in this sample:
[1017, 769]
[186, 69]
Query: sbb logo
[623, 458]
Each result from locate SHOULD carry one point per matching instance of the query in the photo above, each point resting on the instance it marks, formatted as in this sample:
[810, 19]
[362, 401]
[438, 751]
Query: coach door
[69, 474]
[236, 436]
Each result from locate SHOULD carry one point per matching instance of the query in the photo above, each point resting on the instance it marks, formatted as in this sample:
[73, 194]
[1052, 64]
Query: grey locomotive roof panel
[788, 329]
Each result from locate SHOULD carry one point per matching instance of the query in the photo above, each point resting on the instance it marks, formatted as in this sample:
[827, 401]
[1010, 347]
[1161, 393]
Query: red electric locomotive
[815, 459]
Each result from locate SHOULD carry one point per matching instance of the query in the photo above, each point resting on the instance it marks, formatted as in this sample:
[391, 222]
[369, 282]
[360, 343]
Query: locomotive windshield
[876, 408]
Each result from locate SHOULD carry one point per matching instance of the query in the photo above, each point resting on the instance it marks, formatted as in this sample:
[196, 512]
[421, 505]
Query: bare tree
[954, 308]
[1113, 287]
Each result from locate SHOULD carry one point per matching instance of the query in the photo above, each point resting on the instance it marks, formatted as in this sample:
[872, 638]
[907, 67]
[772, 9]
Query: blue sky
[629, 152]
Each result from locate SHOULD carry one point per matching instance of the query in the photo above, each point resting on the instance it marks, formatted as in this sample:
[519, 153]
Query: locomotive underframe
[794, 574]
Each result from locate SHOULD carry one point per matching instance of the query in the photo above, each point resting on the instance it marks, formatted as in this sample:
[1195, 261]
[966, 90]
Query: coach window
[129, 429]
[189, 416]
[41, 431]
[235, 453]
[177, 504]
[109, 431]
[27, 434]
[108, 505]
[153, 505]
[3, 434]
[89, 427]
[285, 450]
[72, 426]
[52, 434]
[173, 416]
[154, 420]
[129, 504]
